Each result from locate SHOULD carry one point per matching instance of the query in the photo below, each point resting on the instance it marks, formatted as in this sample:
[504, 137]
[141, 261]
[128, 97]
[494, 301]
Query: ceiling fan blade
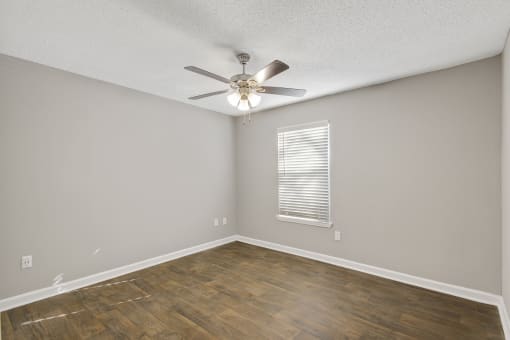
[208, 95]
[207, 74]
[269, 71]
[282, 91]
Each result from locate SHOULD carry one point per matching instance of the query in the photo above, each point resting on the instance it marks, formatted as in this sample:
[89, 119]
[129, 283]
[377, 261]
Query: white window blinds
[303, 174]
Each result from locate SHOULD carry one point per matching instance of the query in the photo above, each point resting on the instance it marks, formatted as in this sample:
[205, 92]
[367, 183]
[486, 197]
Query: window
[303, 174]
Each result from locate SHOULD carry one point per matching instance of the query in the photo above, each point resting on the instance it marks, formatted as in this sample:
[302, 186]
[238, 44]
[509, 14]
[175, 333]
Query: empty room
[255, 169]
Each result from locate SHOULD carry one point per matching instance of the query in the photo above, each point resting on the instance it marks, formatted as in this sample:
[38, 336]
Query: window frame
[302, 220]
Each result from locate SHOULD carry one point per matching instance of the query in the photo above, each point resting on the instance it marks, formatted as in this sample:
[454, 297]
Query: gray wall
[86, 165]
[415, 167]
[505, 172]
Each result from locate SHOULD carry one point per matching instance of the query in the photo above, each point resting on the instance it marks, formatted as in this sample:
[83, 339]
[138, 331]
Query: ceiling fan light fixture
[254, 99]
[245, 88]
[233, 98]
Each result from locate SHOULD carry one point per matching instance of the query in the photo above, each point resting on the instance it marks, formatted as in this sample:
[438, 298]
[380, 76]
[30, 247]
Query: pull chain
[247, 118]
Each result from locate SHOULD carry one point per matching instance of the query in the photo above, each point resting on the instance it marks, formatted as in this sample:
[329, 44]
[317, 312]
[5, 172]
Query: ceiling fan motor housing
[239, 81]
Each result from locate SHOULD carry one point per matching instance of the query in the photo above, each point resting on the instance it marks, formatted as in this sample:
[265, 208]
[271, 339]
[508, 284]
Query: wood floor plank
[240, 291]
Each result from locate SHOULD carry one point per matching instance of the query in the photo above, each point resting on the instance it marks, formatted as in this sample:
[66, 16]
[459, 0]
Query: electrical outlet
[26, 262]
[338, 235]
[216, 221]
[224, 220]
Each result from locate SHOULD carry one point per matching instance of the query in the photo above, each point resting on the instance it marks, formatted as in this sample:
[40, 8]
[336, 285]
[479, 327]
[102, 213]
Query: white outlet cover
[216, 221]
[26, 261]
[224, 220]
[338, 235]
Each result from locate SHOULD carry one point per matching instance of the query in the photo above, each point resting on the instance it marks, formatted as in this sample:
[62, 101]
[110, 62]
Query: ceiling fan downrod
[243, 58]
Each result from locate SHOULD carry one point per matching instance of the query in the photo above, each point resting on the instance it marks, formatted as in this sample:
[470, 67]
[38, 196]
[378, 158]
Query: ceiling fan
[244, 88]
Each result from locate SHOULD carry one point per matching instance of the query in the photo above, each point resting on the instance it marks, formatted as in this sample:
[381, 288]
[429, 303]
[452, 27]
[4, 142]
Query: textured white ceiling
[330, 46]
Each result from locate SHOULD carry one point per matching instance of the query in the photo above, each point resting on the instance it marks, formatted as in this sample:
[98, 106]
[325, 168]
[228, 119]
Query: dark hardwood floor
[239, 291]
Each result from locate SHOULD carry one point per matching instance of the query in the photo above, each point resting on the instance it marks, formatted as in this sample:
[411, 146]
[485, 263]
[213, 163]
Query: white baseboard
[503, 314]
[35, 295]
[446, 288]
[466, 293]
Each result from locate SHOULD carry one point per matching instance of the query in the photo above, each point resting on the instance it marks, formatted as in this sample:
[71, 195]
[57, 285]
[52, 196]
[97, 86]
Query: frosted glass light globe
[243, 105]
[233, 98]
[254, 99]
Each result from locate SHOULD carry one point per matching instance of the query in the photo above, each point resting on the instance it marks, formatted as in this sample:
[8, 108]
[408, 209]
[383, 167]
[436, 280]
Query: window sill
[307, 221]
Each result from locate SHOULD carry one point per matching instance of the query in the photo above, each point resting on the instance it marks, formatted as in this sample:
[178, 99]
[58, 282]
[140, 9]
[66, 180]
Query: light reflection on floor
[63, 315]
[131, 300]
[108, 284]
